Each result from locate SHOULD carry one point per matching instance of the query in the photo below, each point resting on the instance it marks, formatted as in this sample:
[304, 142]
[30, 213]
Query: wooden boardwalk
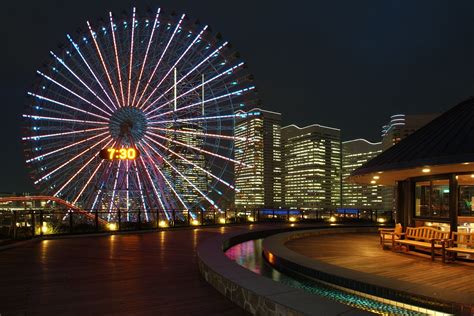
[150, 273]
[361, 252]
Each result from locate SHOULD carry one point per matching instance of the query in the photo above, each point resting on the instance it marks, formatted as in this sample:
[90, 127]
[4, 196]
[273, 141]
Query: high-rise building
[355, 153]
[401, 125]
[312, 167]
[259, 180]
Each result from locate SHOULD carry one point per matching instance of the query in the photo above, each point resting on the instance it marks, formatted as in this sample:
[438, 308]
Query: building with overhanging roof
[433, 169]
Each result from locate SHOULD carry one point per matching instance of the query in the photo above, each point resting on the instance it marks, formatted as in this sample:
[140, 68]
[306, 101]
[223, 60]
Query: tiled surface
[151, 273]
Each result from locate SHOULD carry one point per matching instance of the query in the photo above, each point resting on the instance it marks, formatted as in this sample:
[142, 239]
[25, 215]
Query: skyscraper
[312, 167]
[259, 181]
[355, 153]
[401, 125]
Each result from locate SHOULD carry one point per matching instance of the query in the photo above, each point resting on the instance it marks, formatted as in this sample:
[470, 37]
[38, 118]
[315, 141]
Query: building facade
[312, 167]
[401, 125]
[355, 153]
[258, 146]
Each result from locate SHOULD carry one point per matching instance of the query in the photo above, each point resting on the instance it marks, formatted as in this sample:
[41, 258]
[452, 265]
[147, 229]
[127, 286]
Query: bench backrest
[466, 239]
[425, 233]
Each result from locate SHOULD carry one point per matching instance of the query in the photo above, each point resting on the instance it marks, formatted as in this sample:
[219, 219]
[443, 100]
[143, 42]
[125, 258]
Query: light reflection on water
[249, 255]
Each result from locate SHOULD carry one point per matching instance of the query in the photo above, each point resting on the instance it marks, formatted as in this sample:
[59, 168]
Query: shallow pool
[249, 255]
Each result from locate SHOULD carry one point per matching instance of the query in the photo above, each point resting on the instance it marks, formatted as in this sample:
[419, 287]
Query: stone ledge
[254, 293]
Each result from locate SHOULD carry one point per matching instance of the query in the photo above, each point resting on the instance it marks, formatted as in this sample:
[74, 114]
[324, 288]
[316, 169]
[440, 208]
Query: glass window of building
[432, 199]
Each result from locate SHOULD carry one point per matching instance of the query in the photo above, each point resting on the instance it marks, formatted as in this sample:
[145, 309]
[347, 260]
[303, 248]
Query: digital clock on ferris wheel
[119, 153]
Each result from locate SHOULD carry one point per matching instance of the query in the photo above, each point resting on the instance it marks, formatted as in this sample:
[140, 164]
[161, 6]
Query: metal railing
[29, 223]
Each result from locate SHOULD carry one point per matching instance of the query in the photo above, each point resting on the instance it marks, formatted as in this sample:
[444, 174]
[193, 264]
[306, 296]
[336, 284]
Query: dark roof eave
[431, 161]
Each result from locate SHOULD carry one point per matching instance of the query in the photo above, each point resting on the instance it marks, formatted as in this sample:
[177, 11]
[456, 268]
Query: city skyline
[297, 81]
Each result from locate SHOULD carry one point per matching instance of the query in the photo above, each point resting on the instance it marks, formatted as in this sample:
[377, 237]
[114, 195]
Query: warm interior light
[195, 222]
[250, 219]
[376, 177]
[381, 220]
[163, 224]
[292, 219]
[45, 229]
[472, 175]
[112, 226]
[332, 219]
[465, 163]
[373, 182]
[426, 170]
[222, 220]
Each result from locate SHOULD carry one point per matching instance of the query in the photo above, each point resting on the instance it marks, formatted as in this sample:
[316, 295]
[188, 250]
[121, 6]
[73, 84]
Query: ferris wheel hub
[128, 125]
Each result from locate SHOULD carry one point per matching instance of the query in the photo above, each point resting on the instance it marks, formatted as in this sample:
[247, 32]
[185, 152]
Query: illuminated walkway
[130, 274]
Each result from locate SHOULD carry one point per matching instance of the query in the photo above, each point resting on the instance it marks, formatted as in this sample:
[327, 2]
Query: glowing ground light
[156, 98]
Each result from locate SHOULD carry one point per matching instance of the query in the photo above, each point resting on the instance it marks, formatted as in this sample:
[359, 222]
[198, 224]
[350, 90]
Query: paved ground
[151, 273]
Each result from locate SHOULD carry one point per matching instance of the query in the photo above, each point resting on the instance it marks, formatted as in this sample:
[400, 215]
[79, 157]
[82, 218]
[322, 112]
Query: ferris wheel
[138, 112]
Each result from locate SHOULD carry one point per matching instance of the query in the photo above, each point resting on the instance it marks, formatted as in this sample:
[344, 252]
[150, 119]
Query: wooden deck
[362, 252]
[151, 273]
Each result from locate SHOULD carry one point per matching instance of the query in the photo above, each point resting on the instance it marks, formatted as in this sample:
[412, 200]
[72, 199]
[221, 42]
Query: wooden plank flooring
[362, 252]
[152, 273]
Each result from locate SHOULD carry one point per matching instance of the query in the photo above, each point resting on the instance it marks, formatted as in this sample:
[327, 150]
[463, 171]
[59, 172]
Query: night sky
[346, 64]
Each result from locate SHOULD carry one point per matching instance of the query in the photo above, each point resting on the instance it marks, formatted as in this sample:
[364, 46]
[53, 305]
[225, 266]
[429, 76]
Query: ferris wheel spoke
[174, 66]
[202, 118]
[79, 171]
[72, 92]
[60, 119]
[65, 147]
[71, 160]
[166, 180]
[178, 131]
[172, 112]
[88, 182]
[194, 164]
[183, 176]
[161, 58]
[155, 190]
[214, 53]
[131, 62]
[82, 131]
[114, 190]
[76, 47]
[119, 72]
[94, 38]
[146, 57]
[199, 86]
[198, 149]
[40, 97]
[140, 187]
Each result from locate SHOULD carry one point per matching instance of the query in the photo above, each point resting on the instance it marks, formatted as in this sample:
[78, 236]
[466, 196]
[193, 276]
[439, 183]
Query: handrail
[51, 198]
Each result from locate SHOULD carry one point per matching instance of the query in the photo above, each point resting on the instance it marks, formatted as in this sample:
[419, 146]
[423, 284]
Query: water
[249, 255]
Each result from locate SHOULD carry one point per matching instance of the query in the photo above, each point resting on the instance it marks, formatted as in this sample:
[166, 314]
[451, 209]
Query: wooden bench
[459, 243]
[389, 235]
[424, 237]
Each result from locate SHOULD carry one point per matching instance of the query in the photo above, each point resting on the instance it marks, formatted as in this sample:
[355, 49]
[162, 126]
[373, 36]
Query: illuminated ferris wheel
[138, 113]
